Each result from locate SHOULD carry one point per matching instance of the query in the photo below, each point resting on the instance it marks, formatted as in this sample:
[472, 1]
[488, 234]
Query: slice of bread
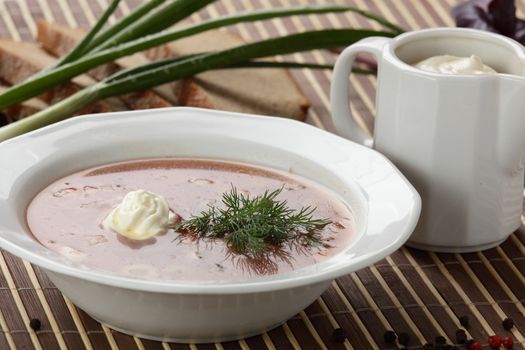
[261, 91]
[20, 60]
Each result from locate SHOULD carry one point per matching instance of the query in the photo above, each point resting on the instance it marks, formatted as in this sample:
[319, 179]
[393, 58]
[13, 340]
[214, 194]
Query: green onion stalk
[139, 31]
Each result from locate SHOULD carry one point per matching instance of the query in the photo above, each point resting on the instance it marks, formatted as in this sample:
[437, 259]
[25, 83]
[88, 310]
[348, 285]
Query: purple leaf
[498, 16]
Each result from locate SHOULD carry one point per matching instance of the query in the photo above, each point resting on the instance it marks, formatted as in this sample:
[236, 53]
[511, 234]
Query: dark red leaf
[498, 16]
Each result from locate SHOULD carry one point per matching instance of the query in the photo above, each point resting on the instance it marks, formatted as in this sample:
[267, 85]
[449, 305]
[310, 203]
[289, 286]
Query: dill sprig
[252, 226]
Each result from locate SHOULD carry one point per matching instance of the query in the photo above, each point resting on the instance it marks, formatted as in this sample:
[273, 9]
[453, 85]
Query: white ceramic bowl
[386, 208]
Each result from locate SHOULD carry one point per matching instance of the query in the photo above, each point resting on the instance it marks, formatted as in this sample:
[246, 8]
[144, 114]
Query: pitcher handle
[344, 122]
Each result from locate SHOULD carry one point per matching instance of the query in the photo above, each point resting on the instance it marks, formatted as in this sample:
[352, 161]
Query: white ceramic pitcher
[460, 139]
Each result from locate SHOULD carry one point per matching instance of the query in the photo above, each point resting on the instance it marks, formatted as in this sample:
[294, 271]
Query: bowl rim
[279, 281]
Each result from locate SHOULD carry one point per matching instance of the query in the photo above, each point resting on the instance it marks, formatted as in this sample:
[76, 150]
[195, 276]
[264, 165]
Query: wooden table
[419, 293]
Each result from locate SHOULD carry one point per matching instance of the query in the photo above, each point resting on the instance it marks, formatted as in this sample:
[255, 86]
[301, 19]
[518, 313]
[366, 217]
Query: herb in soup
[253, 226]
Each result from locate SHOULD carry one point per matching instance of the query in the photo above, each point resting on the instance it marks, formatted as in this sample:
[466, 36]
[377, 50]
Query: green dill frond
[252, 226]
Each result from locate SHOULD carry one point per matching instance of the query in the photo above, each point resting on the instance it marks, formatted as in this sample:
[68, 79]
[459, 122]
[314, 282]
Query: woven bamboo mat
[410, 291]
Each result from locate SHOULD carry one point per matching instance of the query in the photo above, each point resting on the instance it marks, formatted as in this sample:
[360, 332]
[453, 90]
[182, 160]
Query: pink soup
[66, 217]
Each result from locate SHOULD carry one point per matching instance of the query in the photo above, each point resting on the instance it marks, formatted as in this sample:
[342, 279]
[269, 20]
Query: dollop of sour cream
[447, 64]
[140, 215]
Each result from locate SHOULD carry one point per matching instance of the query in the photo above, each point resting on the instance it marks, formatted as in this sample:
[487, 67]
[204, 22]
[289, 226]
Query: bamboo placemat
[419, 293]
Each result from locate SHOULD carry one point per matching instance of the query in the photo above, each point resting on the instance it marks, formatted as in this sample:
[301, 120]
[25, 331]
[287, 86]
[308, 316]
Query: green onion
[280, 64]
[64, 73]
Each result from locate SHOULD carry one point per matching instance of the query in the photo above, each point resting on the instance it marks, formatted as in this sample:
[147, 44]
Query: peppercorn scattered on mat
[411, 298]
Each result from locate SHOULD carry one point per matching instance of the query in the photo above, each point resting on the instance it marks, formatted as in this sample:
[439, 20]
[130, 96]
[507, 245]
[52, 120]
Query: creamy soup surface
[66, 217]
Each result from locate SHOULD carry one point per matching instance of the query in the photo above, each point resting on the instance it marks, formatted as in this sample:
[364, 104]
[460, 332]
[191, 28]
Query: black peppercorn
[390, 337]
[35, 324]
[464, 321]
[339, 335]
[440, 340]
[461, 336]
[508, 323]
[403, 339]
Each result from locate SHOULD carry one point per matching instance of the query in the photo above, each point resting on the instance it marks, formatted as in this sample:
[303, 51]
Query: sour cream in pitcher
[448, 64]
